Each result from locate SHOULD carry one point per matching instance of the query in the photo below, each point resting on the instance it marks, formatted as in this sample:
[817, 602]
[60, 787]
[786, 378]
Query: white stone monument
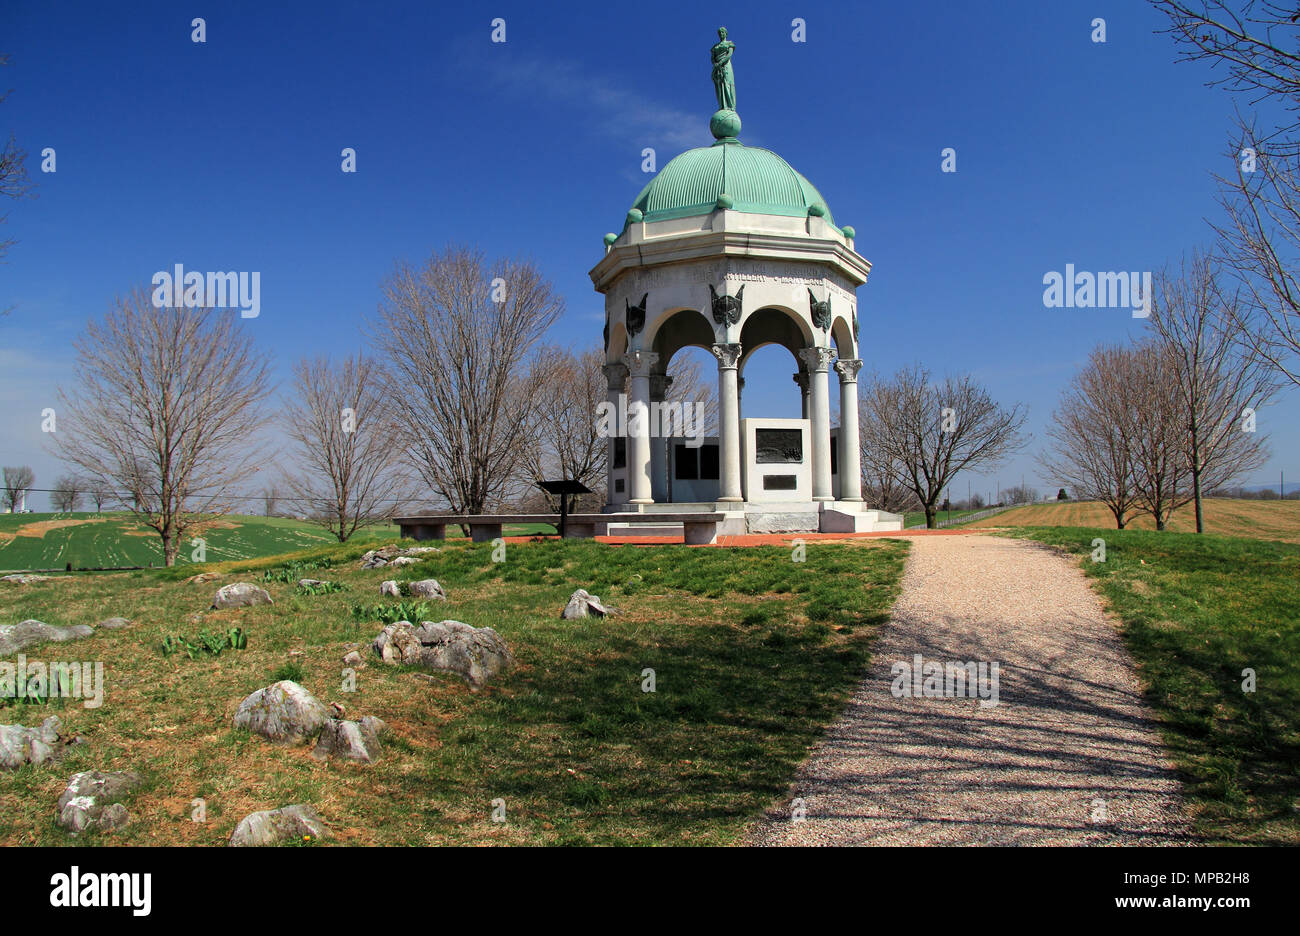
[730, 249]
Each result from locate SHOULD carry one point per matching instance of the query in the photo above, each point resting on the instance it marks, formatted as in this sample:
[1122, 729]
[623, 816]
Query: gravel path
[1069, 755]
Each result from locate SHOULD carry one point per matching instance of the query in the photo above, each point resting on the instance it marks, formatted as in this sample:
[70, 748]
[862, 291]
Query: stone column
[850, 444]
[740, 396]
[728, 356]
[659, 385]
[639, 364]
[615, 375]
[817, 362]
[801, 378]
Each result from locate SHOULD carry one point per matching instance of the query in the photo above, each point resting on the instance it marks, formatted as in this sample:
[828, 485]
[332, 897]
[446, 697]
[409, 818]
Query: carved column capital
[817, 360]
[801, 378]
[659, 384]
[848, 369]
[728, 355]
[615, 374]
[639, 362]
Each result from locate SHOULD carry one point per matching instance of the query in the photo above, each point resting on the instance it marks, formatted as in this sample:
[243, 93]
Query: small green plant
[390, 614]
[214, 644]
[291, 671]
[295, 569]
[323, 588]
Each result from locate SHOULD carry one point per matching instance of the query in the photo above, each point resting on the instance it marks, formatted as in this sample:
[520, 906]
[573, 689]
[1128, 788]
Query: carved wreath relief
[726, 309]
[635, 315]
[821, 311]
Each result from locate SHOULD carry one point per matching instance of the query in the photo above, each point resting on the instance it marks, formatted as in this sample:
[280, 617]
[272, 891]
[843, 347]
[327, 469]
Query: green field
[1196, 612]
[88, 541]
[753, 655]
[1257, 519]
[51, 541]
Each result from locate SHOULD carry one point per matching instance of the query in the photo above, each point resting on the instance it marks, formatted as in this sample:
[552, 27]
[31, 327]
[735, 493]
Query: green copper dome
[753, 179]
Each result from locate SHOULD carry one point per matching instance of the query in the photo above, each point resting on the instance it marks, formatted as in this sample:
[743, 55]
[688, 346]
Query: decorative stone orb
[725, 124]
[816, 211]
[634, 216]
[849, 232]
[726, 201]
[609, 239]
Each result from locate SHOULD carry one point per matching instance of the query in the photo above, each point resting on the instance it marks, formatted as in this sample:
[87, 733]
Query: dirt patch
[38, 529]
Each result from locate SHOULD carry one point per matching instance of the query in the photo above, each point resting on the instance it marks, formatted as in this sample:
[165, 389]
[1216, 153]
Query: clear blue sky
[225, 156]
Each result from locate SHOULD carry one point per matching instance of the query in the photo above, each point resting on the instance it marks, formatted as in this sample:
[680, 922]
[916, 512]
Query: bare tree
[689, 384]
[167, 403]
[99, 492]
[882, 488]
[1255, 50]
[1260, 243]
[1091, 451]
[1219, 380]
[1156, 427]
[928, 433]
[1020, 494]
[17, 482]
[1255, 45]
[562, 441]
[66, 495]
[270, 499]
[455, 334]
[347, 445]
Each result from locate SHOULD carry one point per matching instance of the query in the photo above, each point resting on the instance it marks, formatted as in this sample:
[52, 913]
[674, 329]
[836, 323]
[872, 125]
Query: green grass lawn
[1196, 612]
[753, 655]
[918, 516]
[87, 540]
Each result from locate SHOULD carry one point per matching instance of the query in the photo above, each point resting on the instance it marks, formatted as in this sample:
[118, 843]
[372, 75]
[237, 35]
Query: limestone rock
[20, 745]
[202, 578]
[23, 578]
[310, 583]
[477, 654]
[285, 712]
[276, 826]
[353, 659]
[428, 588]
[350, 740]
[582, 605]
[404, 561]
[16, 637]
[390, 589]
[389, 554]
[240, 595]
[93, 800]
[114, 623]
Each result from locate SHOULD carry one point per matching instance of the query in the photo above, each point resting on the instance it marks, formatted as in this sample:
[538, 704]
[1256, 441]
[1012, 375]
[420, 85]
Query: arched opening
[677, 329]
[846, 345]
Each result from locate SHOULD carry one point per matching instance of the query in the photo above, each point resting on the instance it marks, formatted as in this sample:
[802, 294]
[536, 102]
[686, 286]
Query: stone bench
[699, 528]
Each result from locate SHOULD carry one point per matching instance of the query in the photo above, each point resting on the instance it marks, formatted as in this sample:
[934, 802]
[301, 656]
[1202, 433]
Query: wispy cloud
[612, 111]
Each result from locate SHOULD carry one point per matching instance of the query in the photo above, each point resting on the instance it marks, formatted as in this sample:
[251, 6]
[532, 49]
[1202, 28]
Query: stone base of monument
[795, 517]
